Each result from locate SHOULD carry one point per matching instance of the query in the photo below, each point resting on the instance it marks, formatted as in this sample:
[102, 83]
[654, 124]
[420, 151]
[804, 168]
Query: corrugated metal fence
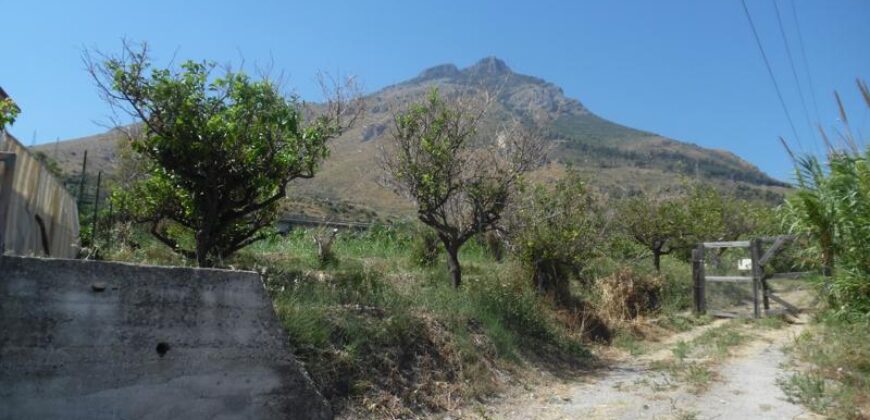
[41, 215]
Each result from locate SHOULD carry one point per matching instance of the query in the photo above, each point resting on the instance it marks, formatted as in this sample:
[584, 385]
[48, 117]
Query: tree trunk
[207, 232]
[827, 262]
[453, 264]
[657, 260]
[551, 280]
[203, 246]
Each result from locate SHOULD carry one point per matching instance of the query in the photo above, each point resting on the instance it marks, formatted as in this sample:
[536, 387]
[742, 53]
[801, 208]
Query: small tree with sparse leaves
[460, 177]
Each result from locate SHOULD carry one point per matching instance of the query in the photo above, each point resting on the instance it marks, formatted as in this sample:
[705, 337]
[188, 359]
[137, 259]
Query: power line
[770, 72]
[806, 63]
[793, 70]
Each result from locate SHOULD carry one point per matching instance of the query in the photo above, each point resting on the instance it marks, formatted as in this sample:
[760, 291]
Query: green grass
[681, 350]
[694, 360]
[718, 342]
[834, 373]
[808, 389]
[374, 327]
[380, 332]
[681, 322]
[629, 342]
[770, 322]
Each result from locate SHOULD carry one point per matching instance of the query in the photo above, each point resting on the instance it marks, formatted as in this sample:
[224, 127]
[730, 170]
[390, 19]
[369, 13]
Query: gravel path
[744, 388]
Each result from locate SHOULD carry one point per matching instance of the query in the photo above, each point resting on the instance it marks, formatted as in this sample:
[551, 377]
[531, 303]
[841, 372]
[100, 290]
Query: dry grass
[625, 294]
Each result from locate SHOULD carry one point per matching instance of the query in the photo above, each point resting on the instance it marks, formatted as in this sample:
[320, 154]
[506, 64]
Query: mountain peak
[490, 66]
[439, 72]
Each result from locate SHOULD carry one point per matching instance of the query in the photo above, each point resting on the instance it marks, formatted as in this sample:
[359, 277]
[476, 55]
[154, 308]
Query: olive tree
[220, 150]
[460, 176]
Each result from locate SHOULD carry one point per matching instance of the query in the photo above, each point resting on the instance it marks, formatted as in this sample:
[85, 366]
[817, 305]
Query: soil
[743, 387]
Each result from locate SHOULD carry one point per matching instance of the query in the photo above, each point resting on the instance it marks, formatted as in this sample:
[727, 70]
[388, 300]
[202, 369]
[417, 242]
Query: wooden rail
[730, 279]
[762, 294]
[731, 244]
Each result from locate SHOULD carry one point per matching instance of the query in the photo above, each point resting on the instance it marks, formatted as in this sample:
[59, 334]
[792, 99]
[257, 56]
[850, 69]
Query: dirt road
[740, 385]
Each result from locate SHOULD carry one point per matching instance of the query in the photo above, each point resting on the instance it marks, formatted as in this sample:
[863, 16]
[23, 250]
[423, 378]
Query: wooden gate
[761, 252]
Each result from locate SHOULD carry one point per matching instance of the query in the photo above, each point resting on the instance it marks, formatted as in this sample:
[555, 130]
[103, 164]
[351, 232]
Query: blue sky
[689, 70]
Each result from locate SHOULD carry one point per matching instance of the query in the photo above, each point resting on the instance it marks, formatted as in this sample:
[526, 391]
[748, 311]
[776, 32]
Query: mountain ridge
[614, 157]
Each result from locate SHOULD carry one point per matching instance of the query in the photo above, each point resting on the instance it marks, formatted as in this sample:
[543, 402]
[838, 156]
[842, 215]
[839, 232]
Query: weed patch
[835, 377]
[383, 336]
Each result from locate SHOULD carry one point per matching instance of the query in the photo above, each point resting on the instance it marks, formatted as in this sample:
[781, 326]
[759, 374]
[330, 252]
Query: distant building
[38, 216]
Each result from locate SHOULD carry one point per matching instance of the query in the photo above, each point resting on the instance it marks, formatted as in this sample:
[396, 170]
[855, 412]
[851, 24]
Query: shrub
[626, 294]
[324, 239]
[555, 233]
[425, 246]
[832, 206]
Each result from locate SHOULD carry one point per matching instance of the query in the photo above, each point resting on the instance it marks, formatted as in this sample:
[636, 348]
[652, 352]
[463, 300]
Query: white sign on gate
[745, 264]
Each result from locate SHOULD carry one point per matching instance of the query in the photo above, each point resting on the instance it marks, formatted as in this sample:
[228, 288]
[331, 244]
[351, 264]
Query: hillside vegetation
[623, 160]
[382, 332]
[547, 258]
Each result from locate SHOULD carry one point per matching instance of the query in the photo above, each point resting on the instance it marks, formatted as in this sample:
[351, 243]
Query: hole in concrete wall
[162, 348]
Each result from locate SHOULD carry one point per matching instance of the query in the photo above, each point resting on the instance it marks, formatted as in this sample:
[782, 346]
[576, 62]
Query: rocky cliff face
[517, 92]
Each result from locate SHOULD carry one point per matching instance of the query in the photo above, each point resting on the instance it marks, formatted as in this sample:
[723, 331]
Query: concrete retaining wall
[98, 340]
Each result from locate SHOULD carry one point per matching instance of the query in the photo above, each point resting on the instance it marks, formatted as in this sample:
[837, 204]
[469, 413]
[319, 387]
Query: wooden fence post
[8, 160]
[96, 211]
[698, 280]
[755, 254]
[111, 225]
[82, 181]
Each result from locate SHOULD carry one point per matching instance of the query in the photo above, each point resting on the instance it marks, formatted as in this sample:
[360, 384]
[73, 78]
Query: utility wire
[770, 72]
[793, 70]
[806, 63]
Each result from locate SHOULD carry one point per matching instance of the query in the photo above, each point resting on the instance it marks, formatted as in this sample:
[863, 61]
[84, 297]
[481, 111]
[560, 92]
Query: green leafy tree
[460, 178]
[8, 112]
[219, 151]
[656, 222]
[675, 222]
[555, 232]
[714, 215]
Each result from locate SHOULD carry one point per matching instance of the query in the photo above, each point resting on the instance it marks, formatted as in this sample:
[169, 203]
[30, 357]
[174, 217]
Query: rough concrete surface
[99, 340]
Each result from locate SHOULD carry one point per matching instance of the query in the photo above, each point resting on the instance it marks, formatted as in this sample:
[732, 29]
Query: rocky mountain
[612, 156]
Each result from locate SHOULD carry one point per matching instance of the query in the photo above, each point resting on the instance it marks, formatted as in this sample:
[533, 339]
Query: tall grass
[835, 380]
[832, 206]
[377, 327]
